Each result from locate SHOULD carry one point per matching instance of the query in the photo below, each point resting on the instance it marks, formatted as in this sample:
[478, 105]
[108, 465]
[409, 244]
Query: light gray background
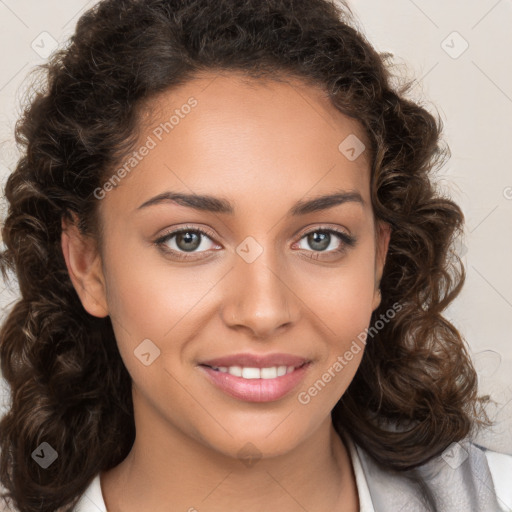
[470, 87]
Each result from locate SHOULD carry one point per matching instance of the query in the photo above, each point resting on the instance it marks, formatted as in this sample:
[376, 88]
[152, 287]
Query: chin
[257, 443]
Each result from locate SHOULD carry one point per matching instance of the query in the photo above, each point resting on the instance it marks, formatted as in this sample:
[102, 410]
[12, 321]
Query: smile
[252, 384]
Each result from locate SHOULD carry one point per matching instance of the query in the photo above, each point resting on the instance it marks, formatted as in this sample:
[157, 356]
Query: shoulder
[466, 476]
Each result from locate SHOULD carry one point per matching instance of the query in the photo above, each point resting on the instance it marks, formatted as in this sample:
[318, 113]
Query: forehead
[232, 99]
[226, 132]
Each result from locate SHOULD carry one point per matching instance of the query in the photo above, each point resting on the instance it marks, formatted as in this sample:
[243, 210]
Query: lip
[256, 390]
[257, 360]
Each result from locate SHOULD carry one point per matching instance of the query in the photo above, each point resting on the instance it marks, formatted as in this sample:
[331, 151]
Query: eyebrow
[213, 204]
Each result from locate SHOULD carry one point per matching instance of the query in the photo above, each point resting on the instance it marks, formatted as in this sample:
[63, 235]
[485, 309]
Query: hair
[69, 386]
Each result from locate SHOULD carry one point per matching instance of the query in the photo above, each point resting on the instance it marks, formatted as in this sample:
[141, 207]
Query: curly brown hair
[69, 386]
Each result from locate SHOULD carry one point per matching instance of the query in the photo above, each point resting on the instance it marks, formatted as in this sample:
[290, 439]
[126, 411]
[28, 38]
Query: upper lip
[256, 361]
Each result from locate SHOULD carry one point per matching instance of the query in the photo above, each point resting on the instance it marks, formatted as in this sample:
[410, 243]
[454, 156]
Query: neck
[169, 470]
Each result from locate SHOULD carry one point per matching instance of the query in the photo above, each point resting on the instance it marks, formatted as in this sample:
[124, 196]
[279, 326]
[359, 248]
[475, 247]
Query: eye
[184, 241]
[327, 240]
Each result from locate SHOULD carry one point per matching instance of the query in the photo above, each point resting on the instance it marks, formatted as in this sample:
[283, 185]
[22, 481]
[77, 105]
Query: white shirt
[500, 465]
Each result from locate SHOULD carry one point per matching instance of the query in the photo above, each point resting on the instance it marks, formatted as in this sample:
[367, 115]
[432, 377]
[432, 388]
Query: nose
[260, 298]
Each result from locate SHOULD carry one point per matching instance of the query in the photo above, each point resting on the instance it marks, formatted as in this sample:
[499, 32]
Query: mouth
[256, 383]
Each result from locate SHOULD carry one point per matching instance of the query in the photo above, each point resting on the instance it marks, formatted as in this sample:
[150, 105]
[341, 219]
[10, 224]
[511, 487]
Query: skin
[263, 146]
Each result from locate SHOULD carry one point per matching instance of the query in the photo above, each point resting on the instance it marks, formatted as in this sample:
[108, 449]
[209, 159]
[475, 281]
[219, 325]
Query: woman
[233, 264]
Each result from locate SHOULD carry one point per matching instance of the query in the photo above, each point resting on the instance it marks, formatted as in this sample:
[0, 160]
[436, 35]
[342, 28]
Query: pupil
[324, 240]
[187, 237]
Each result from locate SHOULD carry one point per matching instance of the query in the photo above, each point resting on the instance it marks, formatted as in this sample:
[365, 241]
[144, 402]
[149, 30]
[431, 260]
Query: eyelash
[347, 241]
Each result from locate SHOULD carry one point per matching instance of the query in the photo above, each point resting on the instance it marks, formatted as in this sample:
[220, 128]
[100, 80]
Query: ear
[382, 236]
[83, 262]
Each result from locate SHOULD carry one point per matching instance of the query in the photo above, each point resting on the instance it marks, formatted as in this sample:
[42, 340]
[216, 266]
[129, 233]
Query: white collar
[365, 500]
[92, 499]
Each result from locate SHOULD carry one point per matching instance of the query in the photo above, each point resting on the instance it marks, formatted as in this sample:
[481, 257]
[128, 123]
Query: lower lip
[256, 390]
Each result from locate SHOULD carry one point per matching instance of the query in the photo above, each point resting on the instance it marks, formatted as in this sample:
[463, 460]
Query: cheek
[343, 301]
[343, 298]
[345, 311]
[148, 295]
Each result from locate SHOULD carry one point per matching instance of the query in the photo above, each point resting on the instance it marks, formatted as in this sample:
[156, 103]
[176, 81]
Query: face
[256, 279]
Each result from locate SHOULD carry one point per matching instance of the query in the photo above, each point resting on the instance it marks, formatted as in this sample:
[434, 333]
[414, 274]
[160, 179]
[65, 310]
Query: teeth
[251, 373]
[268, 373]
[235, 370]
[255, 373]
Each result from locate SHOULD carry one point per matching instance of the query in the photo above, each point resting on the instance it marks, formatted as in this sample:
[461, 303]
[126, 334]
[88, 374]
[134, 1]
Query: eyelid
[324, 227]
